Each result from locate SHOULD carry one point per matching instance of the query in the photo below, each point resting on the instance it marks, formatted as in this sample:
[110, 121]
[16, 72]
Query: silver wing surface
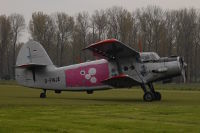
[112, 49]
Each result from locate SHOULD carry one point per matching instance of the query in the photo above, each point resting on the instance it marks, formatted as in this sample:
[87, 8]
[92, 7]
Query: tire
[90, 92]
[58, 91]
[158, 96]
[148, 97]
[42, 95]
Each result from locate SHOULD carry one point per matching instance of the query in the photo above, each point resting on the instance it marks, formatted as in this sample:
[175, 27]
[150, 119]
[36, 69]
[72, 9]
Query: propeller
[183, 69]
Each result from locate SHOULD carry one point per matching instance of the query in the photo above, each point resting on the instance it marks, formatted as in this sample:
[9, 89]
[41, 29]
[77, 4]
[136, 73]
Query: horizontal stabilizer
[121, 81]
[31, 65]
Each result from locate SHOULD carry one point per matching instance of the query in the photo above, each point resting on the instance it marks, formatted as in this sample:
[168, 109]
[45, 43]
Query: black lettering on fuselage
[52, 80]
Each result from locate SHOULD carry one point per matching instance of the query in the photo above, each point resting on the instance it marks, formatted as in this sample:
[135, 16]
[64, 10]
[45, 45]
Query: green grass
[108, 111]
[176, 86]
[8, 82]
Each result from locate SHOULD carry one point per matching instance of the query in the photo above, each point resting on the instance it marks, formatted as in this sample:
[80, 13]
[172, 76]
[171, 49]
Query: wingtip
[101, 42]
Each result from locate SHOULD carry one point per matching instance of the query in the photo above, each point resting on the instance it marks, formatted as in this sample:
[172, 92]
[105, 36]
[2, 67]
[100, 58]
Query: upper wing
[112, 49]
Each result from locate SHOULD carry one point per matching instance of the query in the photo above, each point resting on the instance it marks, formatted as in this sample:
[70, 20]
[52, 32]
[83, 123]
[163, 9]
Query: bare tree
[196, 51]
[64, 30]
[151, 27]
[5, 34]
[82, 30]
[17, 22]
[135, 37]
[145, 29]
[113, 23]
[170, 22]
[99, 19]
[185, 32]
[42, 29]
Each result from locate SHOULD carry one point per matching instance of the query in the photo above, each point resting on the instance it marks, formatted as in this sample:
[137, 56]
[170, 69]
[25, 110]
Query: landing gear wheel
[42, 95]
[90, 92]
[148, 97]
[157, 96]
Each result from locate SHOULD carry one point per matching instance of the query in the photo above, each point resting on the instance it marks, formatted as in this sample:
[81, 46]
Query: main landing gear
[43, 94]
[150, 95]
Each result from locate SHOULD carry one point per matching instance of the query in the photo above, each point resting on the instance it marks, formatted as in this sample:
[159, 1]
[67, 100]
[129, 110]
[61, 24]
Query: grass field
[21, 110]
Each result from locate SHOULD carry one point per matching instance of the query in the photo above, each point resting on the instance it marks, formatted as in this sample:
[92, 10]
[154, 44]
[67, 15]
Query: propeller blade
[183, 69]
[183, 72]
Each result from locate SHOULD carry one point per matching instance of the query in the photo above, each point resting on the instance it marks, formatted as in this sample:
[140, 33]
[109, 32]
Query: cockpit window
[149, 56]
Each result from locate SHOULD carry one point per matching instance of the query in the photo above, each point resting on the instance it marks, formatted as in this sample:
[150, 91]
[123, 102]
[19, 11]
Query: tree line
[167, 32]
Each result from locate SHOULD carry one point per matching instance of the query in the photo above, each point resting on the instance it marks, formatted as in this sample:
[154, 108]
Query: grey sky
[26, 7]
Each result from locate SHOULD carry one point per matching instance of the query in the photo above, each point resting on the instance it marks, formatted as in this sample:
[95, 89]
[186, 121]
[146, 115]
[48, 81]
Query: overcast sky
[72, 7]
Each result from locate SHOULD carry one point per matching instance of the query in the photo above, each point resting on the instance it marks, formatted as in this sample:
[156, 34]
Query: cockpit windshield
[149, 56]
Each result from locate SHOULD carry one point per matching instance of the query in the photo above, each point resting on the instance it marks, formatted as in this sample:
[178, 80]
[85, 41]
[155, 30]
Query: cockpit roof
[149, 56]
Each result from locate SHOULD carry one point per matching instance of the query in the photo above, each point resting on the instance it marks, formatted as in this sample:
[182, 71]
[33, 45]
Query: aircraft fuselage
[89, 75]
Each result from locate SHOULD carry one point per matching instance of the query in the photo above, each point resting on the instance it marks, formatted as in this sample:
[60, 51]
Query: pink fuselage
[88, 74]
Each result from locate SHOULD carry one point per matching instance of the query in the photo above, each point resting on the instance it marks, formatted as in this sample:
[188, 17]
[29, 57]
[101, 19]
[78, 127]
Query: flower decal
[90, 75]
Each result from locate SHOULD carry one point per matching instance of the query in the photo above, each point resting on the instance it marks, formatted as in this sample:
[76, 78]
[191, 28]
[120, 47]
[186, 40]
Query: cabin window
[82, 72]
[125, 68]
[113, 70]
[149, 56]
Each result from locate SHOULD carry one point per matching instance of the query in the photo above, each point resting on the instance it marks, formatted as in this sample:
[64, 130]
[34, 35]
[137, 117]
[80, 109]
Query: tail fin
[32, 54]
[31, 59]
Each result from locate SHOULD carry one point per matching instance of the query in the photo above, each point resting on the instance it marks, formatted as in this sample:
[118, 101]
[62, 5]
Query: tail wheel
[42, 95]
[148, 97]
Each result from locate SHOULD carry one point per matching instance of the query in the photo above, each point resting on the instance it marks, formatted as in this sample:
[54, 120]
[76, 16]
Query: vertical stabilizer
[32, 62]
[32, 53]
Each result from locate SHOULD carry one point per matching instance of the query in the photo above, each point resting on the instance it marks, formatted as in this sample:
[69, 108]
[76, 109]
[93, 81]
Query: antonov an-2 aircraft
[120, 67]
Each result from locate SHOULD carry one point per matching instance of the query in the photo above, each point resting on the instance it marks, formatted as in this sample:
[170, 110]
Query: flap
[121, 81]
[112, 49]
